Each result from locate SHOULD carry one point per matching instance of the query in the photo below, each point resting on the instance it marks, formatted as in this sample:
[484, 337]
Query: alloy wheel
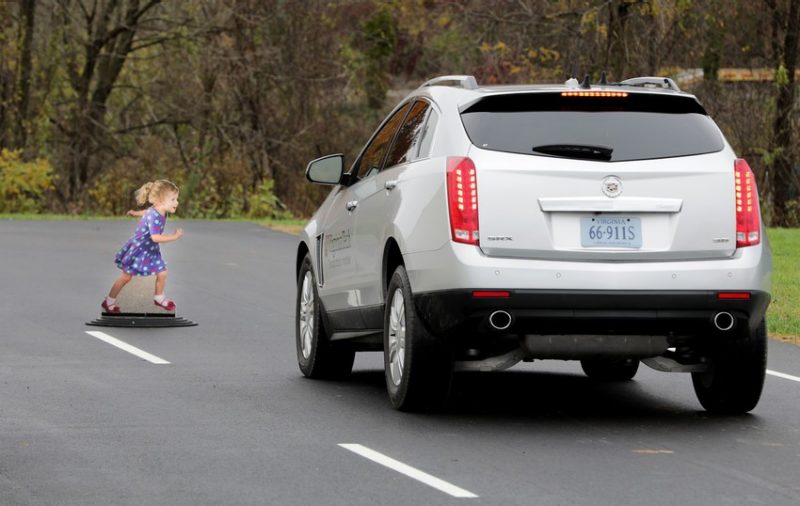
[307, 311]
[397, 337]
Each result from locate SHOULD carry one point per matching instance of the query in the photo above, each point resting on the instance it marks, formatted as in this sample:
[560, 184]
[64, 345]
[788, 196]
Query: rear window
[637, 127]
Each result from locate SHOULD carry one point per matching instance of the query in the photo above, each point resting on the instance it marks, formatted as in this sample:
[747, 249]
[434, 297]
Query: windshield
[636, 127]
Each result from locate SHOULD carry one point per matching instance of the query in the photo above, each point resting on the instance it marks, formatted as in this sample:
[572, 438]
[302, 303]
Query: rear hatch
[619, 176]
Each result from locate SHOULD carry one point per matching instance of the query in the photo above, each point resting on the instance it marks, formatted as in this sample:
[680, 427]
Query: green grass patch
[290, 226]
[782, 317]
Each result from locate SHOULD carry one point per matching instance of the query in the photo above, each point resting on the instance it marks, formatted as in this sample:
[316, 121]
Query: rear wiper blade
[576, 151]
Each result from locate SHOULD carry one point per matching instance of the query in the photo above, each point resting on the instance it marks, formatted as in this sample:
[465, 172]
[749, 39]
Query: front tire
[316, 357]
[418, 366]
[735, 378]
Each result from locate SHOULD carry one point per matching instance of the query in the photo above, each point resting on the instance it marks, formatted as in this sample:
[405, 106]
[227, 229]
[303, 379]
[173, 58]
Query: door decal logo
[337, 242]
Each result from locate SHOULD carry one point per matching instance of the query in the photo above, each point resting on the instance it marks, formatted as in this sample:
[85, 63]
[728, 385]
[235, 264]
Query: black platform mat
[142, 320]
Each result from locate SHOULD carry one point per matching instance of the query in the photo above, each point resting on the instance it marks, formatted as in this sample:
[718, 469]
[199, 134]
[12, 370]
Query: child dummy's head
[155, 191]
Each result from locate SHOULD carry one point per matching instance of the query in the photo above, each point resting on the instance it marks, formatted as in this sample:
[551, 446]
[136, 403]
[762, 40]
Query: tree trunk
[27, 13]
[617, 49]
[781, 172]
[103, 59]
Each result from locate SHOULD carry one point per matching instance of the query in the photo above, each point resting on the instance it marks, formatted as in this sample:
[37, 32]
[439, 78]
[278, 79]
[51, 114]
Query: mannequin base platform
[141, 320]
[138, 309]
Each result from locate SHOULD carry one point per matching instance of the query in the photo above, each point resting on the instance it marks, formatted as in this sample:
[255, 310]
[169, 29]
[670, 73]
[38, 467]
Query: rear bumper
[683, 314]
[462, 266]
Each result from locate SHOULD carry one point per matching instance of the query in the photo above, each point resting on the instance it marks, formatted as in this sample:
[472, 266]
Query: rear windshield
[636, 127]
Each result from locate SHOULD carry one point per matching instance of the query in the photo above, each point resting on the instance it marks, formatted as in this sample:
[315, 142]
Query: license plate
[611, 231]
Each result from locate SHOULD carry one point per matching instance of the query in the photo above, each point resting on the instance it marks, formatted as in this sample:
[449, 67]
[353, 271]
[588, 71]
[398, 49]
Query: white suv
[484, 225]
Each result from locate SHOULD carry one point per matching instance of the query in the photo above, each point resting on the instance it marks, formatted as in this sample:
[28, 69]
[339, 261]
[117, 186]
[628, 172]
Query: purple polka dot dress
[140, 256]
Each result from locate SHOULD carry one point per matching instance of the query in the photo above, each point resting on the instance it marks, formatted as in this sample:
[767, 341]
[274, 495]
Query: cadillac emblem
[612, 186]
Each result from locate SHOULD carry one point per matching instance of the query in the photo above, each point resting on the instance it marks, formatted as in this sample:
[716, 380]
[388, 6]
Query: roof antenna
[603, 80]
[585, 84]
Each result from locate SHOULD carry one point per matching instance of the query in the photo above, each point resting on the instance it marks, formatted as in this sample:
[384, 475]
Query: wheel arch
[392, 257]
[302, 251]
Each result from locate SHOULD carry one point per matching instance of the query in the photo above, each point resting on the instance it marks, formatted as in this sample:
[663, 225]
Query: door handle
[351, 205]
[389, 185]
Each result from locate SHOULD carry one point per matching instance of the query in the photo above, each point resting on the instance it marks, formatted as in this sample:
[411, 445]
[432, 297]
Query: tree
[231, 98]
[98, 39]
[785, 35]
[27, 14]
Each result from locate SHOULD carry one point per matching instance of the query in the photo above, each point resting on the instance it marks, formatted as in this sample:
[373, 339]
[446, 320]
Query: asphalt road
[230, 419]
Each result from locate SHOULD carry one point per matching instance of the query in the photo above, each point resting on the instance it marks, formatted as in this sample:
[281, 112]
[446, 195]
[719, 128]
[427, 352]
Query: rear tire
[316, 357]
[735, 378]
[418, 366]
[610, 369]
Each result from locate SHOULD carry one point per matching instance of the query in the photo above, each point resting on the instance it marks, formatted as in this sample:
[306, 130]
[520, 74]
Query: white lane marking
[113, 341]
[411, 472]
[782, 375]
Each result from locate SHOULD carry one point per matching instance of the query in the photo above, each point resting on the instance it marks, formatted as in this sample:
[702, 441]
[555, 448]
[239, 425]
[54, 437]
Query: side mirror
[326, 170]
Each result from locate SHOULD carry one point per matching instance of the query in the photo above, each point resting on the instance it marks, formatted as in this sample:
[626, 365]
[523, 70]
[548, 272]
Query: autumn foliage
[231, 98]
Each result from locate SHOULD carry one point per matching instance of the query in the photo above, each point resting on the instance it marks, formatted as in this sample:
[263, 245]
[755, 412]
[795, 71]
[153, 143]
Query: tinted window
[636, 127]
[372, 158]
[406, 144]
[427, 134]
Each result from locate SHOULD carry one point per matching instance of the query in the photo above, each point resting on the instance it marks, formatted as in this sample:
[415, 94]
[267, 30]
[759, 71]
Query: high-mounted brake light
[613, 94]
[748, 214]
[462, 199]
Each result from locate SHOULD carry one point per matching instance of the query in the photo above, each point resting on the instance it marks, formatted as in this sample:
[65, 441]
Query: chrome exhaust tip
[500, 320]
[724, 321]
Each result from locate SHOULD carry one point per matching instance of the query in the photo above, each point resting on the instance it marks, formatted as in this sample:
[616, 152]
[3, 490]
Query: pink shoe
[167, 304]
[113, 308]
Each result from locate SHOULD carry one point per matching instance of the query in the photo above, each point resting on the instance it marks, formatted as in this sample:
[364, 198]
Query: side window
[372, 158]
[427, 134]
[406, 145]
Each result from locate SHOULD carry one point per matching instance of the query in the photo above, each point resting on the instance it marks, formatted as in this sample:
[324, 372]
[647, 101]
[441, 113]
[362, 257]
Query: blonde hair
[154, 191]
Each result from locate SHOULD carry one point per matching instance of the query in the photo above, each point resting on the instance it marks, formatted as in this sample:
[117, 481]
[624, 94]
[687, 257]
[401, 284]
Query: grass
[783, 316]
[290, 226]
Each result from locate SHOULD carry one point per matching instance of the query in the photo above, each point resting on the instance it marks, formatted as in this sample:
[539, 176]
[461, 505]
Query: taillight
[748, 214]
[733, 295]
[462, 198]
[491, 294]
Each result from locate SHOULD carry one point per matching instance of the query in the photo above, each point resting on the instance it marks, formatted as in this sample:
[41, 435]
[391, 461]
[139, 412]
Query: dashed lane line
[784, 376]
[133, 350]
[411, 472]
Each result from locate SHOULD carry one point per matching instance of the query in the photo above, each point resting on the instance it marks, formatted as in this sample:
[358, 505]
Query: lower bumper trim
[604, 312]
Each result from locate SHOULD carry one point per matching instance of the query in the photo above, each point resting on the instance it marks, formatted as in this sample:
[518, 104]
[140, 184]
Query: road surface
[227, 418]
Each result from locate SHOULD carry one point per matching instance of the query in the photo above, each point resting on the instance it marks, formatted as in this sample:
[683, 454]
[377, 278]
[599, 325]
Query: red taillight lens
[748, 214]
[733, 295]
[462, 199]
[491, 294]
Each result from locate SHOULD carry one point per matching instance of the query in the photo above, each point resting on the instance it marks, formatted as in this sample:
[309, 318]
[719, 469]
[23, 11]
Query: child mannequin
[141, 254]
